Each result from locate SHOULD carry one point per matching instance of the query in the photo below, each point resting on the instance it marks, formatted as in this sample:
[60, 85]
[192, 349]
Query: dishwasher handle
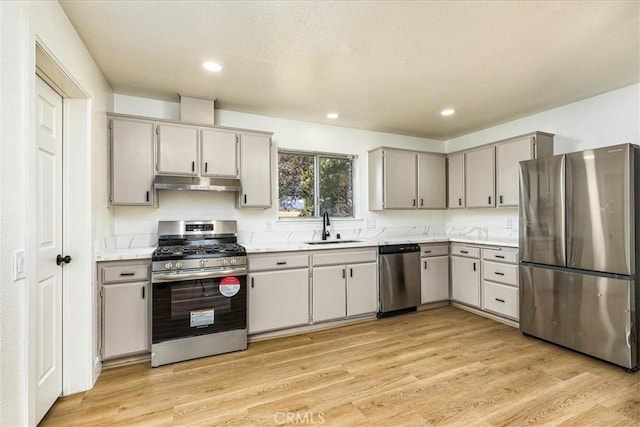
[398, 249]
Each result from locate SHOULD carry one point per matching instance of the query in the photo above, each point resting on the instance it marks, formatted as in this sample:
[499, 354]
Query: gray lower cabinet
[344, 283]
[465, 275]
[125, 314]
[500, 292]
[435, 273]
[278, 291]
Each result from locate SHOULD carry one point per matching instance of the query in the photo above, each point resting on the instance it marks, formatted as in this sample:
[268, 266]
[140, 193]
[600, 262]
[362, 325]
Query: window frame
[316, 183]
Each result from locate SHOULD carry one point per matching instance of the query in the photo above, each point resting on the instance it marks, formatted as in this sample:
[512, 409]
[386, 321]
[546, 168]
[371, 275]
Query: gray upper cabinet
[399, 179]
[480, 178]
[177, 150]
[455, 174]
[509, 154]
[219, 153]
[402, 179]
[131, 161]
[255, 171]
[432, 186]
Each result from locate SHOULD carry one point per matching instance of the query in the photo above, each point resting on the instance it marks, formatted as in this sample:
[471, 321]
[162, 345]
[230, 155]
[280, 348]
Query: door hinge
[110, 124]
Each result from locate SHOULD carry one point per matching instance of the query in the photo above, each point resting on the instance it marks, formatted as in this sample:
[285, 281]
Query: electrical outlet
[268, 226]
[508, 224]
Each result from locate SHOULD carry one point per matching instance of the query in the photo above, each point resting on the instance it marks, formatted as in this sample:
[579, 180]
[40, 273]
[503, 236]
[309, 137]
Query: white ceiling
[383, 65]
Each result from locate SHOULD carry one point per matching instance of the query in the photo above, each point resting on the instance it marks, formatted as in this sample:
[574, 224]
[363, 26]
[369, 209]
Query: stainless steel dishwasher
[399, 278]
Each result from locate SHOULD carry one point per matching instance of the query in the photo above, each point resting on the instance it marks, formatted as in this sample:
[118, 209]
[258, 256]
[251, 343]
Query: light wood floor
[436, 367]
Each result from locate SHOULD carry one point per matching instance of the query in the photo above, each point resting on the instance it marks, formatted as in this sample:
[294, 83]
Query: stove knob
[224, 262]
[179, 265]
[233, 261]
[202, 263]
[168, 266]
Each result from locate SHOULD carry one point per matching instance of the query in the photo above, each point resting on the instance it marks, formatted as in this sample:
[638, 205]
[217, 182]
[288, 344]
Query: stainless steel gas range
[199, 292]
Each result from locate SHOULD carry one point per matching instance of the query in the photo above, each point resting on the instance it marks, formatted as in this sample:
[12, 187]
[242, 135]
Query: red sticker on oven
[229, 286]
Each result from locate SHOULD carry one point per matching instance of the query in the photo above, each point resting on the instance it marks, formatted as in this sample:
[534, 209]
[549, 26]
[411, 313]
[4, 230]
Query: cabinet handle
[501, 200]
[425, 265]
[464, 252]
[281, 263]
[127, 274]
[460, 202]
[147, 198]
[351, 272]
[489, 199]
[414, 202]
[474, 266]
[497, 273]
[421, 202]
[245, 199]
[499, 300]
[143, 292]
[206, 166]
[252, 282]
[499, 256]
[193, 166]
[427, 251]
[343, 273]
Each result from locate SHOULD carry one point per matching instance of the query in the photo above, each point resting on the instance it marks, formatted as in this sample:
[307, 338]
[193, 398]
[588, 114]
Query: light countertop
[265, 247]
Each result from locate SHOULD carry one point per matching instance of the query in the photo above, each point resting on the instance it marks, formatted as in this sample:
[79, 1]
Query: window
[311, 184]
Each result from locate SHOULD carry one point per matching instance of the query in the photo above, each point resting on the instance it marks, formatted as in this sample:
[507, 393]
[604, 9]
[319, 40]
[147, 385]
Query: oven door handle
[210, 274]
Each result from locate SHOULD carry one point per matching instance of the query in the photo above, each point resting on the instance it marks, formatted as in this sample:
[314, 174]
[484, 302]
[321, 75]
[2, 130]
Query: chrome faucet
[325, 225]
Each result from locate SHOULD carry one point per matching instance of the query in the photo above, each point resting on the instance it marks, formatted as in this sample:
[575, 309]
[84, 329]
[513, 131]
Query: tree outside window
[310, 184]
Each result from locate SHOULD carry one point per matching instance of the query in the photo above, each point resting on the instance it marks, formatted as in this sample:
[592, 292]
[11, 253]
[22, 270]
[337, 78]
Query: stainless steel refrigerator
[579, 260]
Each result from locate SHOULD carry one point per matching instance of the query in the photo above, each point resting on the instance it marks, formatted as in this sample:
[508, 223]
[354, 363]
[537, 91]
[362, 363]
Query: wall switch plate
[19, 265]
[508, 224]
[268, 226]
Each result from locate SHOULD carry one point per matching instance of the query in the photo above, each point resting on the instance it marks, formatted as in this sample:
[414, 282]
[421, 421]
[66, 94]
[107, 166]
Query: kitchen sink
[330, 242]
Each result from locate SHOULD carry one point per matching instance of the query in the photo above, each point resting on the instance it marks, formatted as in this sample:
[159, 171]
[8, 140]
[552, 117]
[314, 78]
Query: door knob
[60, 259]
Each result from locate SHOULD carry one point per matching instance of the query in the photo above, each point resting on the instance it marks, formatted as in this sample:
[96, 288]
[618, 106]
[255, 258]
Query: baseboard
[486, 314]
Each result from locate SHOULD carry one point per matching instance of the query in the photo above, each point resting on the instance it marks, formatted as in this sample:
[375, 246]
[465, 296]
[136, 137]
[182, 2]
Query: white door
[329, 294]
[432, 182]
[399, 179]
[48, 297]
[362, 292]
[219, 153]
[435, 279]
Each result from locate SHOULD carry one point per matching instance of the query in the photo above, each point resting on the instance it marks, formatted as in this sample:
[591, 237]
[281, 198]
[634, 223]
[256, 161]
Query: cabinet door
[399, 179]
[177, 150]
[278, 299]
[455, 182]
[431, 182]
[480, 178]
[125, 319]
[132, 162]
[329, 294]
[362, 290]
[255, 171]
[219, 153]
[465, 281]
[435, 279]
[507, 158]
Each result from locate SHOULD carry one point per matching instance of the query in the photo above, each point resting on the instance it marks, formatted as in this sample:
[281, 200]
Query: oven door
[199, 303]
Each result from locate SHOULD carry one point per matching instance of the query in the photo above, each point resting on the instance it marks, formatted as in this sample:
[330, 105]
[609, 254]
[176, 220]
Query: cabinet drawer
[500, 299]
[499, 272]
[277, 261]
[434, 250]
[348, 256]
[467, 251]
[501, 255]
[125, 273]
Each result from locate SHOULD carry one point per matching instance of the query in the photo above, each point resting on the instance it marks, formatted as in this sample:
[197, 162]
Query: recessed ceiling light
[332, 115]
[448, 112]
[212, 66]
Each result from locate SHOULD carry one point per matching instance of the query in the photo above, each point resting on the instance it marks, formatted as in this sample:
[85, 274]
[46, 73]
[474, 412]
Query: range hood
[163, 182]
